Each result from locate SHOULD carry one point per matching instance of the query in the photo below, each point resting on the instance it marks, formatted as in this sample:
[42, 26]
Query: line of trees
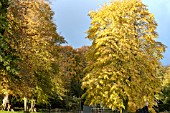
[120, 70]
[33, 63]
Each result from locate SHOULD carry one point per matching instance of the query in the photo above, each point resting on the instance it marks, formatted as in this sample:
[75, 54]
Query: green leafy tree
[8, 56]
[166, 85]
[31, 22]
[164, 95]
[71, 63]
[123, 57]
[22, 15]
[81, 63]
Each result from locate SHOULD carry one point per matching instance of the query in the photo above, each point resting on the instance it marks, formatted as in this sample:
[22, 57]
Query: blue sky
[71, 18]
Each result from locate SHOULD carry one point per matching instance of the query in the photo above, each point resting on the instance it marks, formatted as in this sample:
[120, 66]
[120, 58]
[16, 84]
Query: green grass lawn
[11, 112]
[16, 112]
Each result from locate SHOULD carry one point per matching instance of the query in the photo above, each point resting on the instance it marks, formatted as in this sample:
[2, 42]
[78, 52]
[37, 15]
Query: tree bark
[126, 106]
[5, 102]
[25, 104]
[32, 109]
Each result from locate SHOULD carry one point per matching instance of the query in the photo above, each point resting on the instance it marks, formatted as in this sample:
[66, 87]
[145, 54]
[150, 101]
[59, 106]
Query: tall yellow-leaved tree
[124, 56]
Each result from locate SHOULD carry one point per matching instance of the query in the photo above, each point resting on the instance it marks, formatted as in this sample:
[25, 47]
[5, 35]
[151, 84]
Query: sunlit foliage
[31, 22]
[124, 56]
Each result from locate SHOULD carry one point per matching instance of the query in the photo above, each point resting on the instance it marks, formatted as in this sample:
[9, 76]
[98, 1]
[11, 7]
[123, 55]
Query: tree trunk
[32, 109]
[126, 106]
[25, 104]
[5, 102]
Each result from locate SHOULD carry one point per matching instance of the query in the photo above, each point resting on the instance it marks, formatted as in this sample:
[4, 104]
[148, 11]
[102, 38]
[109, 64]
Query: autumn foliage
[120, 70]
[124, 56]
